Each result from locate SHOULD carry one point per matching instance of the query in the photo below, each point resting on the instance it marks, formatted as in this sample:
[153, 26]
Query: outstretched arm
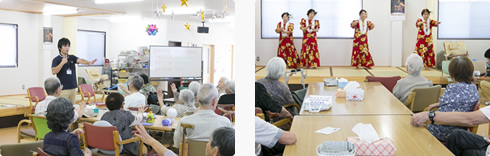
[82, 61]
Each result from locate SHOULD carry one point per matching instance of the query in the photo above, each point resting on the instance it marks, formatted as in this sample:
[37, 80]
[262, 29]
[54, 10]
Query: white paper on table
[327, 130]
[366, 132]
[316, 103]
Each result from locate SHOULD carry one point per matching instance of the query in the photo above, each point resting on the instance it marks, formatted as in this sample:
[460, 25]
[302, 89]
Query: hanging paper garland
[151, 29]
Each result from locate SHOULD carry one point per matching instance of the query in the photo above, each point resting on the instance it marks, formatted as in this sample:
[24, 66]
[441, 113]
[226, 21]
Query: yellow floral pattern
[309, 50]
[286, 49]
[361, 57]
[424, 47]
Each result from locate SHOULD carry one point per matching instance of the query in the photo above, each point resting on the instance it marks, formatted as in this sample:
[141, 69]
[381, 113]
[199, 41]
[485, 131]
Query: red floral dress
[361, 57]
[309, 49]
[286, 49]
[424, 47]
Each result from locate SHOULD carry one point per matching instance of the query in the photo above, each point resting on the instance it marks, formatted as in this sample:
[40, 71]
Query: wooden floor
[353, 74]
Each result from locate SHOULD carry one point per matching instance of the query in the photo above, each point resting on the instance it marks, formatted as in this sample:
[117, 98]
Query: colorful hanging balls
[151, 29]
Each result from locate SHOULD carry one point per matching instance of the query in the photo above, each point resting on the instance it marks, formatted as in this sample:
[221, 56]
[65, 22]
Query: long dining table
[380, 108]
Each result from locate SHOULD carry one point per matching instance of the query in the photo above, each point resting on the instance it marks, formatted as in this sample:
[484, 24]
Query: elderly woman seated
[59, 141]
[229, 97]
[460, 96]
[276, 68]
[187, 99]
[404, 86]
[193, 86]
[221, 86]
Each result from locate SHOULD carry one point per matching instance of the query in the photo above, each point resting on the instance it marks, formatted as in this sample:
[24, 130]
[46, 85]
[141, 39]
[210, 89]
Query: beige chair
[421, 98]
[454, 48]
[100, 81]
[189, 147]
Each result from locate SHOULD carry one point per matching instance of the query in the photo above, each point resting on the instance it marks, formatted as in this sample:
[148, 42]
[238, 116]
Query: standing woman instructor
[361, 57]
[63, 66]
[286, 49]
[424, 47]
[309, 49]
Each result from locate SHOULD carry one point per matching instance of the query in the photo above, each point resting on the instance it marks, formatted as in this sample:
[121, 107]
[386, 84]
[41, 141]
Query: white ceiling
[144, 9]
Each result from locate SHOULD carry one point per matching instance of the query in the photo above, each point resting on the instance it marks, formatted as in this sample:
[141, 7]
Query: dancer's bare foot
[427, 68]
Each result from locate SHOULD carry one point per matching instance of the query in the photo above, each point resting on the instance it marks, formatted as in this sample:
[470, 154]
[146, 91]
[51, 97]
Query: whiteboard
[175, 62]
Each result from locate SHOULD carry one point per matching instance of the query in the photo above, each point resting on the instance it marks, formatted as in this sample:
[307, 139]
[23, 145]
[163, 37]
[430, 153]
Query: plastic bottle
[149, 119]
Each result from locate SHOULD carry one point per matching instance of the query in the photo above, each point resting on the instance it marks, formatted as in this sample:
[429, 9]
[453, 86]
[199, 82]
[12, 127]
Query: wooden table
[377, 101]
[408, 140]
[157, 124]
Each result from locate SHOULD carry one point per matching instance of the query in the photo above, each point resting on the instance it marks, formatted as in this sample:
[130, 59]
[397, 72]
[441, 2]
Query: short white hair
[194, 87]
[230, 85]
[224, 79]
[276, 68]
[187, 97]
[414, 64]
[206, 93]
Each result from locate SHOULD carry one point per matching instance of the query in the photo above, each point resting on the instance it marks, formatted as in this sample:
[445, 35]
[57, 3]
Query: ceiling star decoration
[225, 7]
[202, 15]
[187, 26]
[224, 11]
[184, 2]
[163, 7]
[156, 13]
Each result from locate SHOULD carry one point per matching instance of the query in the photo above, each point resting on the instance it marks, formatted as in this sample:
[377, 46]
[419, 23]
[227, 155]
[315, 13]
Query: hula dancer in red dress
[286, 49]
[424, 47]
[309, 49]
[361, 57]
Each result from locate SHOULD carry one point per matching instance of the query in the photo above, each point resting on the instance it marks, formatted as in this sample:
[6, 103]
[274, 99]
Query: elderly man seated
[204, 120]
[134, 97]
[276, 68]
[53, 88]
[404, 86]
[229, 97]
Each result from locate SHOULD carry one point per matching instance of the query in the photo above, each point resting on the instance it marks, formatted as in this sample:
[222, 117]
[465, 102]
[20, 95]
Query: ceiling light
[60, 12]
[114, 1]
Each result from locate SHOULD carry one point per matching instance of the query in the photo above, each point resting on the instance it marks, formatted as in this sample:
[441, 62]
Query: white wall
[132, 34]
[29, 38]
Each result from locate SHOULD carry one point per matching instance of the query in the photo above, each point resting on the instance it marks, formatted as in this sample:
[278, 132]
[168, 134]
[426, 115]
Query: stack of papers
[336, 148]
[316, 103]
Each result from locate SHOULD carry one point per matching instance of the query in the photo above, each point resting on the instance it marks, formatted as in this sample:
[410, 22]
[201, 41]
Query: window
[464, 19]
[8, 46]
[90, 46]
[335, 16]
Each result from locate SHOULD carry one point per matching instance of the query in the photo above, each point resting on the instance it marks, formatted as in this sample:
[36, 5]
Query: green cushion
[41, 127]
